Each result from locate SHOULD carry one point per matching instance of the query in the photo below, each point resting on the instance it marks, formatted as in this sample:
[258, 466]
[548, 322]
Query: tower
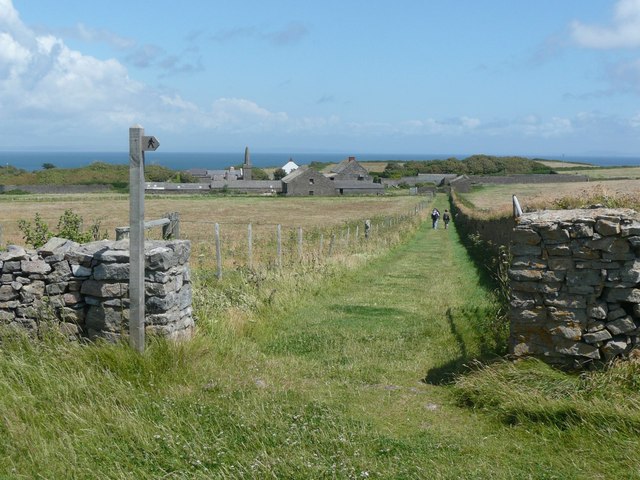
[246, 167]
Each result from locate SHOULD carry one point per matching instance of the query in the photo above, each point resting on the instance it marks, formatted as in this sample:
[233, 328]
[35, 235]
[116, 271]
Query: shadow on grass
[488, 343]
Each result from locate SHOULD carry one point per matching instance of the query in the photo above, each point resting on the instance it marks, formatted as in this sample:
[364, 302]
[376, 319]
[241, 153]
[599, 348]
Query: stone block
[74, 315]
[598, 311]
[566, 331]
[57, 246]
[562, 300]
[616, 295]
[614, 347]
[560, 263]
[576, 349]
[615, 245]
[7, 293]
[160, 258]
[597, 336]
[554, 234]
[13, 253]
[615, 314]
[581, 230]
[61, 272]
[111, 271]
[559, 250]
[80, 271]
[160, 289]
[10, 266]
[634, 242]
[530, 287]
[518, 262]
[101, 318]
[32, 291]
[585, 277]
[621, 326]
[537, 315]
[525, 236]
[607, 226]
[524, 299]
[72, 298]
[56, 288]
[568, 316]
[521, 275]
[595, 325]
[525, 250]
[96, 288]
[35, 266]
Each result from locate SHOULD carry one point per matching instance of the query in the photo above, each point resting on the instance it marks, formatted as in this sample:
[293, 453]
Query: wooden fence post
[250, 246]
[218, 252]
[279, 246]
[172, 229]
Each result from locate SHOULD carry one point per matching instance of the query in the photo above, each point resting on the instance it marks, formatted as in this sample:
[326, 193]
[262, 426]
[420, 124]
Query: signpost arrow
[150, 143]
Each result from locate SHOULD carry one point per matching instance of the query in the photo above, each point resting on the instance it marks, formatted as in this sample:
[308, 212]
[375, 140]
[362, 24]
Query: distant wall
[575, 282]
[494, 232]
[83, 289]
[44, 189]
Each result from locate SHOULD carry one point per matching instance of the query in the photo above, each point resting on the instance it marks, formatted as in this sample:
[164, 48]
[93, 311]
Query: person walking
[435, 215]
[446, 218]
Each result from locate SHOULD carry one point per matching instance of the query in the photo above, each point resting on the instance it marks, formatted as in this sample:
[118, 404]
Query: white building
[289, 167]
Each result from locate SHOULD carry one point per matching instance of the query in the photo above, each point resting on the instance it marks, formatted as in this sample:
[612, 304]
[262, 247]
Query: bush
[38, 233]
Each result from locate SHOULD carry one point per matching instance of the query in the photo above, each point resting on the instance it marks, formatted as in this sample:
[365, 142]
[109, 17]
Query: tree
[48, 166]
[279, 174]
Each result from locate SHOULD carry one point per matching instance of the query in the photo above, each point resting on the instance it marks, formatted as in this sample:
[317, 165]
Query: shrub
[69, 226]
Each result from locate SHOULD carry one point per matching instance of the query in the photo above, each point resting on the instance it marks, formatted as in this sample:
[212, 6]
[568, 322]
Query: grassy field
[608, 173]
[351, 374]
[199, 213]
[497, 199]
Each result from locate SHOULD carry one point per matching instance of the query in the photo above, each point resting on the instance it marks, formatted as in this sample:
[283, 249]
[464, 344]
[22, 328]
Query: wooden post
[172, 229]
[300, 243]
[250, 246]
[218, 252]
[357, 233]
[279, 246]
[517, 210]
[136, 242]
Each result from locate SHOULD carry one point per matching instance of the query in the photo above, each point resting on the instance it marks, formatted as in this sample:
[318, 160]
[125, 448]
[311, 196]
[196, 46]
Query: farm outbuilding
[305, 181]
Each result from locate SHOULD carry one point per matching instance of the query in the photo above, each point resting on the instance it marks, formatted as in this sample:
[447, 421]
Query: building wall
[309, 182]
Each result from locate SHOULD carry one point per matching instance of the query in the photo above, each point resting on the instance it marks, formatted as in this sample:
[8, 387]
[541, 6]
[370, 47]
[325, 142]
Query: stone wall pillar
[84, 288]
[575, 285]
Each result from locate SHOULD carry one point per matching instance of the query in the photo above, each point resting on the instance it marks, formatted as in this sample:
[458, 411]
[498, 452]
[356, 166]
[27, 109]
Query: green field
[363, 373]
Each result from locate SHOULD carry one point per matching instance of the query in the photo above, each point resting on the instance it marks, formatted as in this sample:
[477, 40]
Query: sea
[214, 161]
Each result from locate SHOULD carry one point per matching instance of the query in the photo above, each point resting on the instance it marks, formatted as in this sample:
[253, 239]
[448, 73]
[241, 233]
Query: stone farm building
[307, 181]
[346, 178]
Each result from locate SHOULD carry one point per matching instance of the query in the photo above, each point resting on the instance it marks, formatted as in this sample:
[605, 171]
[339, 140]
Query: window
[310, 192]
[311, 181]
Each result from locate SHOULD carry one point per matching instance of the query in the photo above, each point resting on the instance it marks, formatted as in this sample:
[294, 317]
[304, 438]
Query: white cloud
[623, 32]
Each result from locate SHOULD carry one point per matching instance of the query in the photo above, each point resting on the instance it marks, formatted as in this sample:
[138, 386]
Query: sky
[499, 77]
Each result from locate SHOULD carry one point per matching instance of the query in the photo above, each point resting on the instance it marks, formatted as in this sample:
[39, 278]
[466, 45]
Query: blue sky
[406, 76]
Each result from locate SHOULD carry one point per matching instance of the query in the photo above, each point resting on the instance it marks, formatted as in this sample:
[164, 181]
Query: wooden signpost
[138, 144]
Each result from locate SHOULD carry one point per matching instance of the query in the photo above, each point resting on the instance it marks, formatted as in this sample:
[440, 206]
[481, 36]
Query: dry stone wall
[83, 289]
[575, 282]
